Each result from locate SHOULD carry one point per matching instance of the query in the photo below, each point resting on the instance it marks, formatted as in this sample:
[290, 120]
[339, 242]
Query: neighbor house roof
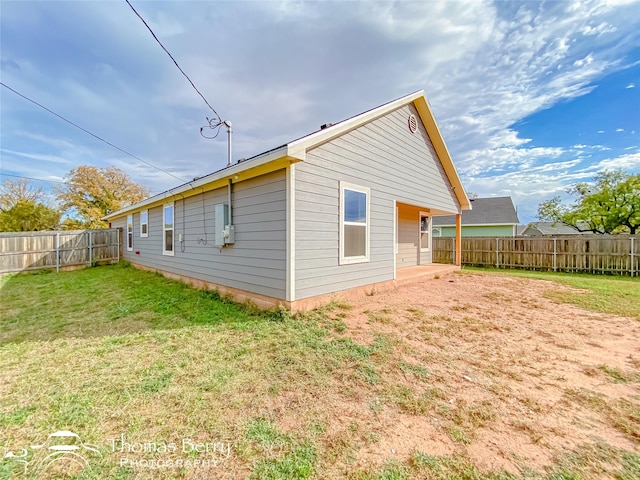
[553, 228]
[486, 211]
[296, 150]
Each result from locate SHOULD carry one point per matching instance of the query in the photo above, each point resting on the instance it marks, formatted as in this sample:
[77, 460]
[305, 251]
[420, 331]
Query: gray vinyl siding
[255, 263]
[395, 165]
[408, 237]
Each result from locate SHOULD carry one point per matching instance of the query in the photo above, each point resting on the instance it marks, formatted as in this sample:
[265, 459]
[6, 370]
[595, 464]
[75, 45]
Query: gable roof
[296, 150]
[486, 211]
[553, 228]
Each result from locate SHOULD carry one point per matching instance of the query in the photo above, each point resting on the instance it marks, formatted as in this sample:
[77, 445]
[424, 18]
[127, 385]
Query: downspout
[229, 201]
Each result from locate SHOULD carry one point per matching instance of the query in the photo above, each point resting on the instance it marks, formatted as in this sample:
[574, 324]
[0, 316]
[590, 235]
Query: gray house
[345, 207]
[490, 217]
[540, 229]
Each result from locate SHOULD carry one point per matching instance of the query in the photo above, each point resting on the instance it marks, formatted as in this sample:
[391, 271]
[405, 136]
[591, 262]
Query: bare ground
[492, 371]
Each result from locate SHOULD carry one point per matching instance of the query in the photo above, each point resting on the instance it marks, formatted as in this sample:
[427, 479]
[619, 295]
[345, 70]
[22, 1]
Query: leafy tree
[22, 208]
[90, 193]
[610, 205]
[552, 210]
[13, 192]
[27, 216]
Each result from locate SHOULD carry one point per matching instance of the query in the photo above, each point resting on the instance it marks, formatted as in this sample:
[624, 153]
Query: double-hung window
[167, 239]
[144, 223]
[354, 223]
[129, 233]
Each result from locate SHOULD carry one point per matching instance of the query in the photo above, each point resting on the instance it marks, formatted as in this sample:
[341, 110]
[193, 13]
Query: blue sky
[531, 97]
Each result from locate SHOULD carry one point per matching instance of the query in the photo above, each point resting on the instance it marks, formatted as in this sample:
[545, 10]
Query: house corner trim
[291, 234]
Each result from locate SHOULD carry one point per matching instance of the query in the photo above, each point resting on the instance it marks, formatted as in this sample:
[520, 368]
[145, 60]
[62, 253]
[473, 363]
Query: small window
[354, 223]
[144, 223]
[424, 232]
[129, 233]
[167, 248]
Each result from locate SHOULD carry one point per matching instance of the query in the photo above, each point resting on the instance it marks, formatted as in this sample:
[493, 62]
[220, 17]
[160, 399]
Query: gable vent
[413, 123]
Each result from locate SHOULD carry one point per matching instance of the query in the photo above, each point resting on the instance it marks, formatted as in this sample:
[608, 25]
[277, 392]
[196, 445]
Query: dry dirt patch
[491, 369]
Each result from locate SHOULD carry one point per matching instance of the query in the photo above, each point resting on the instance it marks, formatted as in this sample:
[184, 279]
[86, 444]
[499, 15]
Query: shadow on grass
[111, 301]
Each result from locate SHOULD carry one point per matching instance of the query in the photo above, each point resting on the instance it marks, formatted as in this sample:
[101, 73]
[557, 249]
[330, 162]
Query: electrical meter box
[224, 231]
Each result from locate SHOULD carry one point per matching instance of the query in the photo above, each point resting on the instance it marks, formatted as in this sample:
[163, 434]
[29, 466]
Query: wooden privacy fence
[21, 251]
[616, 254]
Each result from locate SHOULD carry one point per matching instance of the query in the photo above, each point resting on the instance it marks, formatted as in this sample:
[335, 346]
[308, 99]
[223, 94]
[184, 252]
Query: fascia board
[441, 149]
[269, 162]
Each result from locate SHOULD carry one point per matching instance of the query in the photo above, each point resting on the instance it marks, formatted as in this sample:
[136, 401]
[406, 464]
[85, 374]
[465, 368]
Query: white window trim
[165, 229]
[356, 188]
[144, 234]
[130, 232]
[420, 215]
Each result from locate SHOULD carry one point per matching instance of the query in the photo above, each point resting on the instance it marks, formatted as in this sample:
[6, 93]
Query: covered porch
[413, 243]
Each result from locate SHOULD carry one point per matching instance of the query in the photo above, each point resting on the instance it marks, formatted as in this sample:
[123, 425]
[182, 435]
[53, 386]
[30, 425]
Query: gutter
[200, 183]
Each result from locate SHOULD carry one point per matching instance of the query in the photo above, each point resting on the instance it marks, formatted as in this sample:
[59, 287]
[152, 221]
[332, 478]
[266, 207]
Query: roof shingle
[486, 211]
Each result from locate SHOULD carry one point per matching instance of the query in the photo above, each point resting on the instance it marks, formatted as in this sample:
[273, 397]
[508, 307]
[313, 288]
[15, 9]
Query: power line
[92, 134]
[2, 174]
[176, 63]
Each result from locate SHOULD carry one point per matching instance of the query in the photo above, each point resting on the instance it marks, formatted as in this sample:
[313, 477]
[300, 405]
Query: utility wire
[92, 134]
[2, 174]
[174, 61]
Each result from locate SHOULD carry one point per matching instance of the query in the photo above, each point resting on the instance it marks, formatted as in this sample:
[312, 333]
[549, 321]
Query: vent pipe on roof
[216, 124]
[227, 124]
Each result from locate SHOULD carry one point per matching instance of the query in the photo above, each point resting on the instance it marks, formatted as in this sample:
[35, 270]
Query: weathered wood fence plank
[616, 254]
[21, 251]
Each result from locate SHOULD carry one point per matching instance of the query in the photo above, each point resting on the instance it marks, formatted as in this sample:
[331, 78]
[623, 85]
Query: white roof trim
[202, 181]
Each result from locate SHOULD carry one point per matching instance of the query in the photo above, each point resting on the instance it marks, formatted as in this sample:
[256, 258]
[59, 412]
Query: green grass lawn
[601, 293]
[115, 353]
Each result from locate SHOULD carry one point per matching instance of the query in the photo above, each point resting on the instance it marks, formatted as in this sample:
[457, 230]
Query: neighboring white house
[339, 209]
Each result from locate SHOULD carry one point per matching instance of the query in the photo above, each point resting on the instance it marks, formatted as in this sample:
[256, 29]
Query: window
[144, 223]
[354, 223]
[129, 233]
[424, 231]
[167, 247]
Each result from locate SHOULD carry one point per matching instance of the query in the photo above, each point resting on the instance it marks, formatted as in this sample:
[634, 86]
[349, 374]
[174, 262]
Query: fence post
[555, 254]
[632, 254]
[118, 242]
[90, 248]
[57, 252]
[497, 254]
[453, 250]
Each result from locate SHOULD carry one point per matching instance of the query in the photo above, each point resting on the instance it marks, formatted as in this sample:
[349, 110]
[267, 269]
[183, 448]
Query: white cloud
[631, 85]
[36, 156]
[619, 130]
[628, 162]
[600, 29]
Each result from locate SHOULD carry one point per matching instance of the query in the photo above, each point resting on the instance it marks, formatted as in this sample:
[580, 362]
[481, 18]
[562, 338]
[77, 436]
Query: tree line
[611, 204]
[87, 195]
